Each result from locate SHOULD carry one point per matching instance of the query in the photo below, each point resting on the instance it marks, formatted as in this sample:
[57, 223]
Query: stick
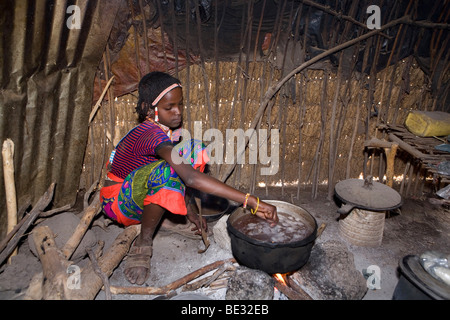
[100, 273]
[403, 145]
[171, 286]
[320, 230]
[339, 15]
[99, 101]
[390, 160]
[89, 214]
[319, 150]
[88, 194]
[10, 186]
[275, 88]
[335, 139]
[219, 284]
[204, 235]
[358, 110]
[49, 213]
[91, 283]
[202, 66]
[39, 207]
[204, 282]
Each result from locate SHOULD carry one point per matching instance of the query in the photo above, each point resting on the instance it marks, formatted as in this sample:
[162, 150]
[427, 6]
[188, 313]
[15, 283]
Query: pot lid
[368, 194]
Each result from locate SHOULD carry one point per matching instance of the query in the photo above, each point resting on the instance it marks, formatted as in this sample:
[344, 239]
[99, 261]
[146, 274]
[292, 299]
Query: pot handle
[346, 208]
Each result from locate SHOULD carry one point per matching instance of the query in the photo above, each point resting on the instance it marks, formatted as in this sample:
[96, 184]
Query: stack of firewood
[55, 281]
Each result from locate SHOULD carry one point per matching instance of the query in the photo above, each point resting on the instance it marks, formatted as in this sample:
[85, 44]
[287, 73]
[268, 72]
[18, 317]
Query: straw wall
[302, 111]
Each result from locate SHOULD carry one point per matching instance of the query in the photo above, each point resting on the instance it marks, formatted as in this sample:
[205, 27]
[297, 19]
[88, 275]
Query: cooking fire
[280, 278]
[289, 287]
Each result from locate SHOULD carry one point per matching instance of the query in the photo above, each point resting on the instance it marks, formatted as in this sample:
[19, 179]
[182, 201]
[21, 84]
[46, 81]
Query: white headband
[163, 93]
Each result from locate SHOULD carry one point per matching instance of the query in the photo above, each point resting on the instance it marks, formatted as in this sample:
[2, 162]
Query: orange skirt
[110, 198]
[155, 183]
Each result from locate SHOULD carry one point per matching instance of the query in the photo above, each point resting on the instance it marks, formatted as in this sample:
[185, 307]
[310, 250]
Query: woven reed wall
[303, 117]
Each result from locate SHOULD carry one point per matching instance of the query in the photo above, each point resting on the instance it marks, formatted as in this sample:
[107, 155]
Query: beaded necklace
[164, 128]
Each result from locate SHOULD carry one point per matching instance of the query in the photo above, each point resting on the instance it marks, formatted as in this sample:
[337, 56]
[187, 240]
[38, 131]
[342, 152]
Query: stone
[220, 232]
[250, 284]
[330, 273]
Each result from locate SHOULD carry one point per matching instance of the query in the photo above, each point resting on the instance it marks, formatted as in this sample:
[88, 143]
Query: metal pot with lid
[366, 194]
[364, 226]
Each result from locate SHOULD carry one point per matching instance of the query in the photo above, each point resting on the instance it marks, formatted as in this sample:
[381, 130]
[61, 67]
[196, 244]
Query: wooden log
[34, 290]
[290, 292]
[54, 265]
[390, 160]
[89, 214]
[390, 149]
[99, 272]
[38, 208]
[91, 283]
[10, 186]
[403, 145]
[377, 143]
[171, 286]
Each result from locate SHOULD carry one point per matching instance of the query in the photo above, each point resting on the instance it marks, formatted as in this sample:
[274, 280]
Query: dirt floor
[418, 227]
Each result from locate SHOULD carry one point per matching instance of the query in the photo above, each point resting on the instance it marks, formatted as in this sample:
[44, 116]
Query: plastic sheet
[46, 82]
[437, 265]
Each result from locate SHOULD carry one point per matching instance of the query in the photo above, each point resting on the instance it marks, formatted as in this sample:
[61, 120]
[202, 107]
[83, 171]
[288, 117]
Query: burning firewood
[289, 289]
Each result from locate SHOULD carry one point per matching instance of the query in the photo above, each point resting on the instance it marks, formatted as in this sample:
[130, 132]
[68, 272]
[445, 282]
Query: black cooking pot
[213, 207]
[268, 256]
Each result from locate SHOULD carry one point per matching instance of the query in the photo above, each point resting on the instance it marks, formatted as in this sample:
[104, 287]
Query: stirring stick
[204, 235]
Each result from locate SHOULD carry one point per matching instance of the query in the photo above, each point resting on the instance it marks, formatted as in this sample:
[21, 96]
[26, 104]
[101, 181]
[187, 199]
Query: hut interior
[320, 90]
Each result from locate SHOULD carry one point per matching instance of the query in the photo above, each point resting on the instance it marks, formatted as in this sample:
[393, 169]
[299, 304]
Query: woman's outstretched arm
[202, 182]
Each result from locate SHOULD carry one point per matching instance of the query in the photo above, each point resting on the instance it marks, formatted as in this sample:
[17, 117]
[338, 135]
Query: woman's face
[170, 108]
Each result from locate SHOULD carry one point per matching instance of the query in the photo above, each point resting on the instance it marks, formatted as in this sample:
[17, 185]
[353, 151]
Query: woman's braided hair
[150, 86]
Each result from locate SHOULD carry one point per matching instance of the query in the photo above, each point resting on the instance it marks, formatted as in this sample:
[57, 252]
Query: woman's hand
[265, 211]
[195, 219]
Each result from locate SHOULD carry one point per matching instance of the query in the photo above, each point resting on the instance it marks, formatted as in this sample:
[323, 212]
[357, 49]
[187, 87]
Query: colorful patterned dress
[142, 178]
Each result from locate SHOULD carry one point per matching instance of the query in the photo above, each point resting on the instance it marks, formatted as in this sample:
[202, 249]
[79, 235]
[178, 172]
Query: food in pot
[290, 228]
